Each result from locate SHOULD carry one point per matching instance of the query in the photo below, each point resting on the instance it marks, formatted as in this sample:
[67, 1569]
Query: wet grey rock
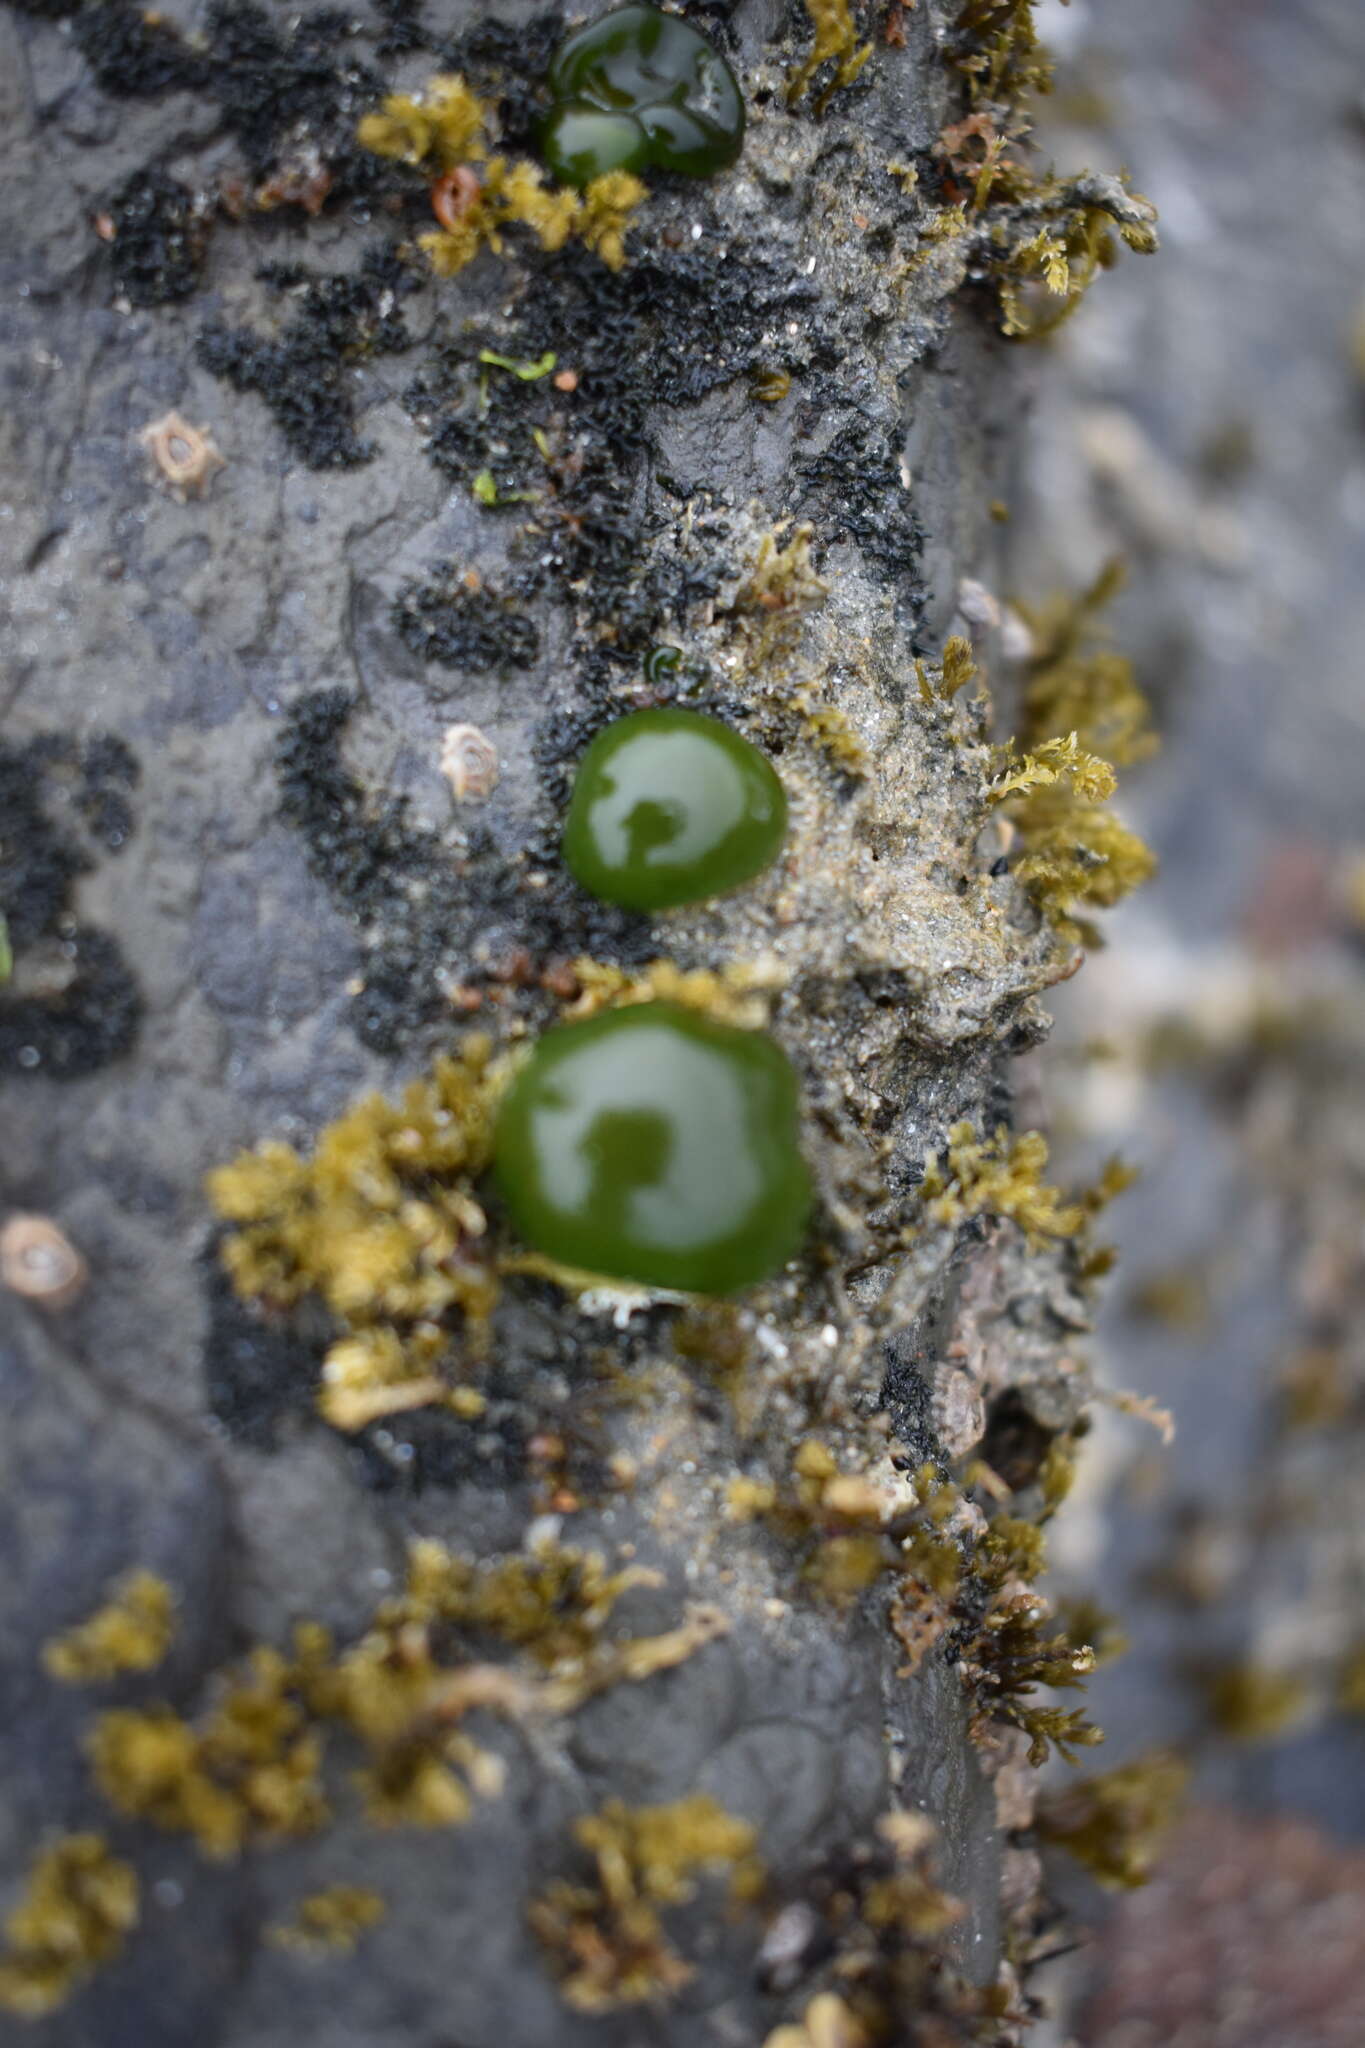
[193, 630]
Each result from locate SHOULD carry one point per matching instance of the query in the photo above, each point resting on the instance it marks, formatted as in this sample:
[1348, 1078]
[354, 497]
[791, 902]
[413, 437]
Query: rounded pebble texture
[670, 807]
[638, 89]
[657, 1145]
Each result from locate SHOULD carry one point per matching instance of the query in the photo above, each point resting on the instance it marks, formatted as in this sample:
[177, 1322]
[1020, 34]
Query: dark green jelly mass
[637, 90]
[655, 1144]
[669, 807]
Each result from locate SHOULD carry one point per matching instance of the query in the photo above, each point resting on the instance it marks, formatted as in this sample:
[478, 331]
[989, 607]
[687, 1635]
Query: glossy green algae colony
[655, 1144]
[671, 807]
[638, 90]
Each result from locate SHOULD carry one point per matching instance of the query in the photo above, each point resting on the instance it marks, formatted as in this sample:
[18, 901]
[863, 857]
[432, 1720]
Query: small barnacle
[185, 456]
[330, 1922]
[454, 196]
[40, 1262]
[469, 763]
[131, 1632]
[78, 1909]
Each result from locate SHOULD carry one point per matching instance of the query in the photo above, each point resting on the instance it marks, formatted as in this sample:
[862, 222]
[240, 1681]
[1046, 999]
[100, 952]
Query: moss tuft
[78, 1908]
[382, 1224]
[606, 1936]
[1116, 1822]
[132, 1631]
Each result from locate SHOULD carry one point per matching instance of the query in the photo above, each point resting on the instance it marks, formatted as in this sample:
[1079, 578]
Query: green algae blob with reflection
[669, 807]
[639, 90]
[658, 1145]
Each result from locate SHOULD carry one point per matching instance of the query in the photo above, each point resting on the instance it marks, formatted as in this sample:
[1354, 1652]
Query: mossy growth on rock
[1116, 1822]
[131, 1631]
[382, 1223]
[1040, 239]
[476, 196]
[606, 1936]
[997, 1176]
[79, 1906]
[1084, 716]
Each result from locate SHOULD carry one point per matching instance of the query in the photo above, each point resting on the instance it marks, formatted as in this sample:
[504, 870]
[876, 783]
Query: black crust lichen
[427, 915]
[159, 237]
[304, 374]
[72, 1005]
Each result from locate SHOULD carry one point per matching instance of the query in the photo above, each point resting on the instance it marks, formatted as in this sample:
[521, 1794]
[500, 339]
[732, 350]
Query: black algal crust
[428, 916]
[304, 375]
[160, 235]
[72, 1006]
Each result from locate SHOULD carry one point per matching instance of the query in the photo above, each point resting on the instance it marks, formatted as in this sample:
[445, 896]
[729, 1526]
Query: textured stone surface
[191, 630]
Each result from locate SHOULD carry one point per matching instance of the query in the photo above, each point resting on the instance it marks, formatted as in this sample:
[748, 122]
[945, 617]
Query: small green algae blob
[670, 807]
[655, 1144]
[638, 89]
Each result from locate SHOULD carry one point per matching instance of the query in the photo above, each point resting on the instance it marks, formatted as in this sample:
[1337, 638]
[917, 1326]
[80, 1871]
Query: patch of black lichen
[259, 1370]
[160, 234]
[362, 849]
[429, 916]
[279, 85]
[304, 374]
[404, 28]
[507, 61]
[71, 1005]
[448, 619]
[429, 1447]
[855, 491]
[134, 54]
[669, 328]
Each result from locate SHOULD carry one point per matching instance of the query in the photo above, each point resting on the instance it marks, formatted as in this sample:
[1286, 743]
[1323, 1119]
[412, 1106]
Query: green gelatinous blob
[670, 807]
[638, 89]
[656, 1144]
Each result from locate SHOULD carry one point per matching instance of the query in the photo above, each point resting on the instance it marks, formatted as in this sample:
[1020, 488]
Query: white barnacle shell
[185, 456]
[469, 763]
[39, 1261]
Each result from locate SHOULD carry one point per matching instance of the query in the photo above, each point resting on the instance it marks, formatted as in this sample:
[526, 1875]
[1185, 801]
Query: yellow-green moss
[132, 1631]
[381, 1223]
[444, 130]
[836, 40]
[1083, 713]
[606, 1938]
[1042, 239]
[249, 1771]
[330, 1922]
[1116, 1822]
[1252, 1702]
[79, 1905]
[999, 1176]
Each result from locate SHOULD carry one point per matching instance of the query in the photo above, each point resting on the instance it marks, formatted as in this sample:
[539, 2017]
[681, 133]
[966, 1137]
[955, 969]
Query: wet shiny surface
[656, 1144]
[636, 90]
[670, 807]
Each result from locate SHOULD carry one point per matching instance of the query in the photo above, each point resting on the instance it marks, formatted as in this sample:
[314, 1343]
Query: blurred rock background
[1204, 418]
